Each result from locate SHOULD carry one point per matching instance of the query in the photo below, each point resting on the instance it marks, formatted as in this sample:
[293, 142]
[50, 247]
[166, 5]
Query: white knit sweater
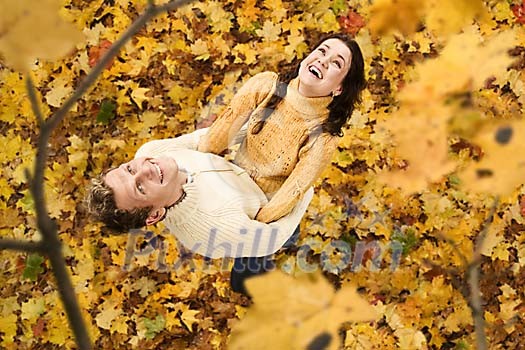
[216, 218]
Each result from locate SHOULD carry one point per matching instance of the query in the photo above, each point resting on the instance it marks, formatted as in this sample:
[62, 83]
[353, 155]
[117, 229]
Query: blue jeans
[246, 267]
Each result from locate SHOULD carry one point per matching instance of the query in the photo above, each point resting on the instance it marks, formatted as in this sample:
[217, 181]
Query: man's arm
[156, 147]
[232, 233]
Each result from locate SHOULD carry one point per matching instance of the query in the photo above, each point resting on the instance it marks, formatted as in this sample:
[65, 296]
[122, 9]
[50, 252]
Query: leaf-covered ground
[440, 116]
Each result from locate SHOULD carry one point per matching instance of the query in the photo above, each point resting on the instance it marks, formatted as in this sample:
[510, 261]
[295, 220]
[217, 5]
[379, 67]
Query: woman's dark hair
[342, 106]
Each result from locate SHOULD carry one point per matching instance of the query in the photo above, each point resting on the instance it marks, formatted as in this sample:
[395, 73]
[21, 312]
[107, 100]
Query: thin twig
[172, 5]
[31, 91]
[21, 246]
[472, 274]
[485, 229]
[476, 307]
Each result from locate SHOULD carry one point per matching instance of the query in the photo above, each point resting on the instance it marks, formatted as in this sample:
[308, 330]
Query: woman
[293, 122]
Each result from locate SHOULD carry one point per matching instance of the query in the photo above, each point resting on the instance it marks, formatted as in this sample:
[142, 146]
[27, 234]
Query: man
[207, 202]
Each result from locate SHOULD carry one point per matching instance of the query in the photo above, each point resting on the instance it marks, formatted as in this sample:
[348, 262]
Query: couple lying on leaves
[288, 128]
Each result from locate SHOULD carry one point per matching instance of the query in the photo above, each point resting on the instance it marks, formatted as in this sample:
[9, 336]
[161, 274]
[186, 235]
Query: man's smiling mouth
[159, 171]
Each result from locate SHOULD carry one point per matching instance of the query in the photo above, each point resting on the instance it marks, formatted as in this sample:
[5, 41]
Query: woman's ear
[155, 216]
[337, 91]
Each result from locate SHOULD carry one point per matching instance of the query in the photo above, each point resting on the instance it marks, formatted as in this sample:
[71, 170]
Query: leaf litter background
[438, 135]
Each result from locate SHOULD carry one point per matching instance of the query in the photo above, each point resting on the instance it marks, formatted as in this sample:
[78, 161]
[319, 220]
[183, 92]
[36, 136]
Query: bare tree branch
[30, 87]
[51, 245]
[468, 283]
[21, 246]
[485, 230]
[472, 274]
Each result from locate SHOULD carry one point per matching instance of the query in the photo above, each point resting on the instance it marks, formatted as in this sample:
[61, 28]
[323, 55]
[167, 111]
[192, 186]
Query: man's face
[144, 182]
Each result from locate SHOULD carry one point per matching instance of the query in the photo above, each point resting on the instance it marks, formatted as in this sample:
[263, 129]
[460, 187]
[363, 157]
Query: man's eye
[128, 168]
[139, 187]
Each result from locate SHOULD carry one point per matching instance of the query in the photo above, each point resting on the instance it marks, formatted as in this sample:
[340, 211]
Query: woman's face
[323, 70]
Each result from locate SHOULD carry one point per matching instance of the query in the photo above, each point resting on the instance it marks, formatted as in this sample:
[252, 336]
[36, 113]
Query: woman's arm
[255, 92]
[309, 167]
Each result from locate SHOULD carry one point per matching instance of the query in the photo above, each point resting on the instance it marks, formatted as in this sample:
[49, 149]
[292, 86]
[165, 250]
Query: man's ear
[155, 216]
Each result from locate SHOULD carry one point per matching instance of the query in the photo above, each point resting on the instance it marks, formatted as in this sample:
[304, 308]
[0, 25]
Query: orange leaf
[96, 52]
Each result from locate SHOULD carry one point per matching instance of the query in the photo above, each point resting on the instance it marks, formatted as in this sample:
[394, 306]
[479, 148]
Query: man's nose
[145, 171]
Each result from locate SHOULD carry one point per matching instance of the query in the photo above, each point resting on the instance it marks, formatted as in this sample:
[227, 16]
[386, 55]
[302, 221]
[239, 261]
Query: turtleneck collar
[309, 106]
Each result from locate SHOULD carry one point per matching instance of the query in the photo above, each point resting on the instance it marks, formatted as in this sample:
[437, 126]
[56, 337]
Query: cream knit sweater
[288, 154]
[216, 218]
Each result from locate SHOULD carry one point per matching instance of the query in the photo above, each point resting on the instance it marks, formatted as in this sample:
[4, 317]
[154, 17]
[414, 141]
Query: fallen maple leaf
[96, 52]
[34, 30]
[297, 312]
[500, 171]
[519, 12]
[38, 327]
[352, 22]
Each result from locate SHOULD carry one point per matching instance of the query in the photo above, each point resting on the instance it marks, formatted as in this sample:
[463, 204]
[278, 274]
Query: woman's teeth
[316, 72]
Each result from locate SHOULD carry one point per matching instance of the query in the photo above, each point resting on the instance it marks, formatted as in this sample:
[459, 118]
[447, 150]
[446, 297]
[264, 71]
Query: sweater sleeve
[157, 147]
[232, 233]
[255, 92]
[309, 167]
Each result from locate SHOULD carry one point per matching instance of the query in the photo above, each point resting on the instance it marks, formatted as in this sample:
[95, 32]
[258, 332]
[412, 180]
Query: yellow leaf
[420, 137]
[60, 89]
[5, 189]
[172, 320]
[494, 236]
[501, 251]
[297, 47]
[145, 286]
[178, 24]
[77, 153]
[328, 22]
[392, 15]
[467, 62]
[501, 168]
[32, 308]
[120, 325]
[296, 310]
[508, 309]
[220, 19]
[33, 29]
[108, 314]
[270, 31]
[200, 49]
[150, 119]
[244, 53]
[8, 327]
[449, 16]
[188, 318]
[138, 95]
